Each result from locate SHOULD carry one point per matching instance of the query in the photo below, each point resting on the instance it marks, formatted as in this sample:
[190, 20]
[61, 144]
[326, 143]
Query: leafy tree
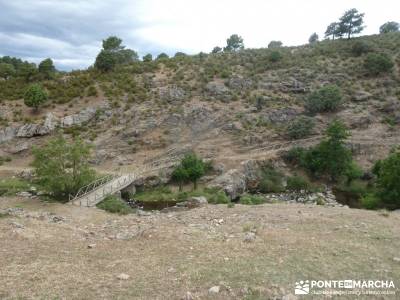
[162, 56]
[47, 69]
[126, 56]
[377, 63]
[275, 44]
[301, 127]
[331, 156]
[275, 56]
[333, 30]
[35, 96]
[234, 43]
[27, 71]
[180, 54]
[388, 179]
[105, 61]
[351, 22]
[313, 38]
[327, 98]
[6, 70]
[216, 50]
[113, 44]
[148, 57]
[191, 169]
[62, 167]
[389, 27]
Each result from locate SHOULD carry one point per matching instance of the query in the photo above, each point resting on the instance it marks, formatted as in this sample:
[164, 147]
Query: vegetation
[349, 24]
[12, 186]
[234, 43]
[115, 205]
[326, 99]
[313, 38]
[35, 96]
[275, 44]
[389, 27]
[271, 180]
[248, 199]
[377, 63]
[190, 169]
[298, 183]
[47, 69]
[62, 168]
[300, 128]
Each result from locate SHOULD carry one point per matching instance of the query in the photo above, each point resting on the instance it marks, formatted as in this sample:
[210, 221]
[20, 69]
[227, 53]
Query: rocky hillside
[228, 107]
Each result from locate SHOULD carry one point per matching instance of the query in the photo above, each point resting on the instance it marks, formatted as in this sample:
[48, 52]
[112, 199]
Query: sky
[71, 31]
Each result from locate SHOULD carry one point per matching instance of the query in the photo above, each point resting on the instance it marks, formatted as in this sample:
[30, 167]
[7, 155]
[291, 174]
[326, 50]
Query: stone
[232, 182]
[172, 94]
[91, 246]
[17, 225]
[361, 95]
[282, 115]
[249, 237]
[188, 296]
[214, 289]
[396, 259]
[7, 134]
[24, 194]
[219, 91]
[240, 83]
[197, 202]
[78, 119]
[123, 276]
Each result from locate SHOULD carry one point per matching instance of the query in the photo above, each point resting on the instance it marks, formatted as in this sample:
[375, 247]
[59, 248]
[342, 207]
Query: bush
[271, 181]
[326, 99]
[370, 201]
[295, 156]
[360, 47]
[298, 183]
[115, 205]
[275, 56]
[35, 96]
[12, 186]
[251, 200]
[377, 63]
[191, 169]
[300, 127]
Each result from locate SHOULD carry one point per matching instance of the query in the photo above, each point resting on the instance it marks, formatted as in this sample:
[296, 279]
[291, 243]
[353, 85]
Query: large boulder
[219, 91]
[172, 94]
[233, 183]
[240, 83]
[361, 95]
[7, 134]
[80, 118]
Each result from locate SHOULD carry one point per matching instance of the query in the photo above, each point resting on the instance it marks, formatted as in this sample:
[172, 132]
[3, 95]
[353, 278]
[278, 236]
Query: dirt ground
[55, 251]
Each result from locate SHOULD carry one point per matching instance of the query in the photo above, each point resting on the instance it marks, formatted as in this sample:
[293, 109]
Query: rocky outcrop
[233, 183]
[280, 115]
[78, 119]
[172, 94]
[360, 96]
[7, 134]
[240, 83]
[219, 91]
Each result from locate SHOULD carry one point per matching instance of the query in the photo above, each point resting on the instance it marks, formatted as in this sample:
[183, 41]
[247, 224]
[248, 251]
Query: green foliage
[216, 50]
[162, 56]
[389, 27]
[313, 38]
[295, 156]
[12, 186]
[275, 44]
[113, 44]
[388, 179]
[105, 61]
[326, 99]
[275, 56]
[35, 96]
[333, 30]
[370, 201]
[4, 159]
[248, 199]
[298, 183]
[300, 128]
[271, 180]
[6, 70]
[91, 91]
[377, 63]
[148, 58]
[351, 22]
[191, 169]
[62, 167]
[360, 47]
[234, 43]
[46, 69]
[115, 205]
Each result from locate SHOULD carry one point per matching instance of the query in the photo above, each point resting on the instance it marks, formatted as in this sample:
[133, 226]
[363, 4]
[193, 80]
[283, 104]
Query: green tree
[162, 56]
[47, 69]
[351, 22]
[389, 27]
[234, 43]
[328, 98]
[6, 70]
[148, 57]
[216, 50]
[27, 71]
[62, 167]
[191, 169]
[313, 38]
[330, 157]
[113, 44]
[275, 44]
[377, 63]
[388, 180]
[35, 96]
[301, 127]
[105, 61]
[333, 30]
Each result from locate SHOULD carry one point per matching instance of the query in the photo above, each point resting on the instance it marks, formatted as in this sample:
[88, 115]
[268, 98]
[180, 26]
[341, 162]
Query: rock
[123, 276]
[283, 115]
[240, 83]
[91, 246]
[219, 91]
[17, 225]
[24, 194]
[7, 134]
[396, 259]
[143, 213]
[50, 123]
[78, 119]
[57, 219]
[361, 95]
[197, 202]
[188, 296]
[214, 289]
[172, 94]
[31, 130]
[249, 237]
[18, 148]
[232, 182]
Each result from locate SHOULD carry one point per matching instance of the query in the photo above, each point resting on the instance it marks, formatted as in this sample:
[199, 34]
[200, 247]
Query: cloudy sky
[70, 31]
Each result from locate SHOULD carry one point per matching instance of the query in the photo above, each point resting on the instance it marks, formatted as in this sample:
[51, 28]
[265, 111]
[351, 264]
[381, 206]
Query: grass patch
[12, 186]
[251, 200]
[115, 205]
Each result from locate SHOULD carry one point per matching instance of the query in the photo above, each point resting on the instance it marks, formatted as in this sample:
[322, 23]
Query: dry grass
[167, 255]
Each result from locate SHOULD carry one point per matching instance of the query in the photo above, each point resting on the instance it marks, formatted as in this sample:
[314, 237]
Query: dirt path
[250, 252]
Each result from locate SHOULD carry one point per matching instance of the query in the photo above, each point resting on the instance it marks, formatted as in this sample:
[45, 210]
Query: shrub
[11, 186]
[377, 63]
[295, 156]
[115, 205]
[271, 181]
[191, 169]
[251, 200]
[370, 201]
[91, 91]
[35, 96]
[360, 47]
[327, 98]
[275, 56]
[300, 128]
[298, 183]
